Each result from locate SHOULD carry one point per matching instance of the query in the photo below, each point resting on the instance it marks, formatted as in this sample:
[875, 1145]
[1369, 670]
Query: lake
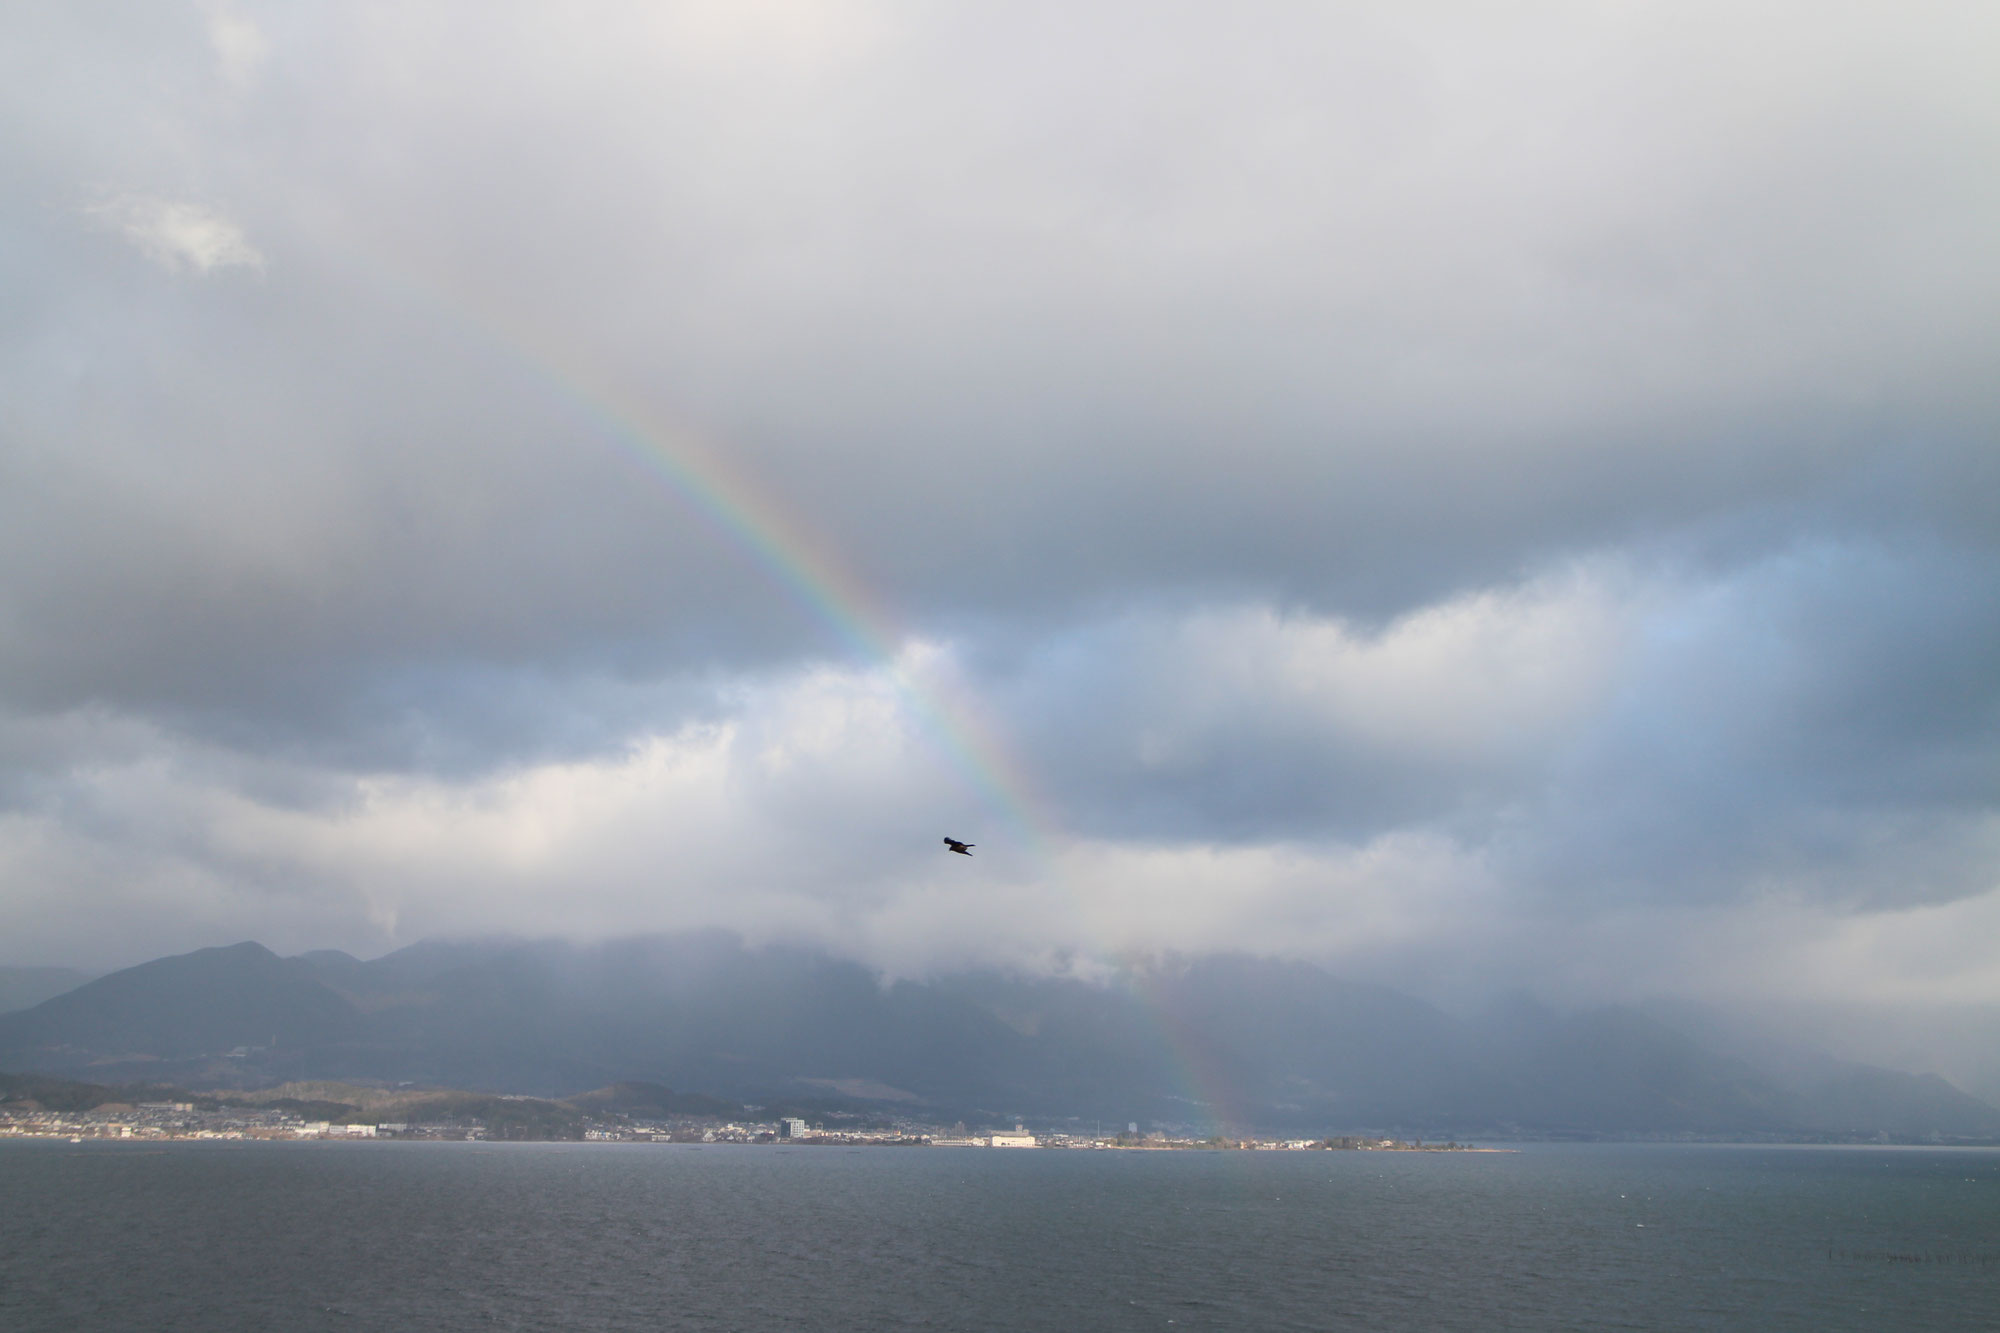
[422, 1236]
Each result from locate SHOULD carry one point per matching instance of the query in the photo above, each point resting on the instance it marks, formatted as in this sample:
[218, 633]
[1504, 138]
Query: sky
[1478, 497]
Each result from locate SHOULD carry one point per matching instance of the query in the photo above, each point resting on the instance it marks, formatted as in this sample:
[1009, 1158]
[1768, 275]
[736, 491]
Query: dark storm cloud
[1025, 315]
[1825, 715]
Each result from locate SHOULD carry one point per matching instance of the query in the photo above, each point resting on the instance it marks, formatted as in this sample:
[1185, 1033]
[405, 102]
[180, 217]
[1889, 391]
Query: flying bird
[962, 848]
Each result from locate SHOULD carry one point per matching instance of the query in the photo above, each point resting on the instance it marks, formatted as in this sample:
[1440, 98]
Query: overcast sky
[1476, 496]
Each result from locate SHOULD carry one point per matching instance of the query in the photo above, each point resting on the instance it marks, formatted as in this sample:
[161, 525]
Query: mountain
[650, 1101]
[25, 987]
[1222, 1040]
[179, 1009]
[1838, 1096]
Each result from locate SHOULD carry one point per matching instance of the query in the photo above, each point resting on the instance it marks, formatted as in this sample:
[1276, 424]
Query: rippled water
[575, 1236]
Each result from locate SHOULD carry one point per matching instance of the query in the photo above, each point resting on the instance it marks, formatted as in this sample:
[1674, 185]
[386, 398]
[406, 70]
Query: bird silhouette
[962, 848]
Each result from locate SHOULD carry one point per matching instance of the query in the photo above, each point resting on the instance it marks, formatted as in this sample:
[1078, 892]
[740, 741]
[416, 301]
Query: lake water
[418, 1236]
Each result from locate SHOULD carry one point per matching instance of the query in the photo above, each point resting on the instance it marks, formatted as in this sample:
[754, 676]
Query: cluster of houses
[179, 1120]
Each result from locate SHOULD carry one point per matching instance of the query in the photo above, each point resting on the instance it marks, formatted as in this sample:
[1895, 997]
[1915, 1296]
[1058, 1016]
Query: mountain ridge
[1228, 1040]
[26, 987]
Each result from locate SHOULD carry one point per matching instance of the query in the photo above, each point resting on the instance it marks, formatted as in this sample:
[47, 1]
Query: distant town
[519, 1118]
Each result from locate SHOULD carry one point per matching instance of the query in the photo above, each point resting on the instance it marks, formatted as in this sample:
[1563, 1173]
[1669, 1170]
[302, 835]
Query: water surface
[586, 1236]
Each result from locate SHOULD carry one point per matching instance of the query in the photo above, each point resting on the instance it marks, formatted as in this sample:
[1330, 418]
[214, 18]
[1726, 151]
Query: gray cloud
[1533, 470]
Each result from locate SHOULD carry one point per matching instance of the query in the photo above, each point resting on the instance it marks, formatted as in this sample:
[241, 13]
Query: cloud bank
[1477, 500]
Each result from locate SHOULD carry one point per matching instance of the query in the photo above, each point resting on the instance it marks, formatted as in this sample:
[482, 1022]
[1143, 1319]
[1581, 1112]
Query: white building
[1020, 1138]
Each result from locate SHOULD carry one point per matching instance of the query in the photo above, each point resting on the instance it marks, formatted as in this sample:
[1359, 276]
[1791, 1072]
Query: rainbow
[796, 559]
[803, 564]
[1196, 1064]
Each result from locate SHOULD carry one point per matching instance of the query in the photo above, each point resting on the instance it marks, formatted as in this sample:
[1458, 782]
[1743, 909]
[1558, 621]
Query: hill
[1224, 1040]
[26, 987]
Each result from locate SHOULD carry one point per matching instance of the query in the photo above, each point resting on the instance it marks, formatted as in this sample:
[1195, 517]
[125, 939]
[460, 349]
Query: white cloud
[1408, 788]
[239, 44]
[178, 235]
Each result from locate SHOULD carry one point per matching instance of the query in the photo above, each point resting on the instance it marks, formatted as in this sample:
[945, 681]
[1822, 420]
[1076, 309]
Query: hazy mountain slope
[26, 987]
[1863, 1099]
[1616, 1070]
[1836, 1095]
[1224, 1040]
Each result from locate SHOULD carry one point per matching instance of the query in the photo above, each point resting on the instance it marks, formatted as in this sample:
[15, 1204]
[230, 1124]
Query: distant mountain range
[1225, 1041]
